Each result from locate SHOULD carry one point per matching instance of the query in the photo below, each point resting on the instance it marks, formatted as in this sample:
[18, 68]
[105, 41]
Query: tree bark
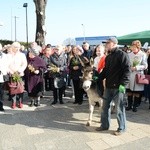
[40, 6]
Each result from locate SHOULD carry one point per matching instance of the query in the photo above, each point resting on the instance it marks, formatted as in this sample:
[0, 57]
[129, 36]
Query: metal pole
[27, 26]
[15, 30]
[26, 5]
[11, 25]
[83, 31]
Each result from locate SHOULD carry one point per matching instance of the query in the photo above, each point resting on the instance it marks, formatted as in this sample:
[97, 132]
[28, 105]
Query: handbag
[142, 78]
[16, 87]
[59, 82]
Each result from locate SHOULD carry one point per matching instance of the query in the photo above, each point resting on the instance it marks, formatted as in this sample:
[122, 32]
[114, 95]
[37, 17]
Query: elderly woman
[17, 64]
[57, 68]
[34, 75]
[138, 62]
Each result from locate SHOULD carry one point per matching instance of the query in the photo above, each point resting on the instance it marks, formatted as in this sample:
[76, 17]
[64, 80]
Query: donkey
[90, 87]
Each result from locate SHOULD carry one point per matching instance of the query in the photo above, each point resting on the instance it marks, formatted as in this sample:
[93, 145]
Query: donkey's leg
[91, 109]
[100, 101]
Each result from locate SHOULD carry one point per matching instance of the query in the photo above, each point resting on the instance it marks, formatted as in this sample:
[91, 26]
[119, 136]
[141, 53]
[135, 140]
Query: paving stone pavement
[62, 127]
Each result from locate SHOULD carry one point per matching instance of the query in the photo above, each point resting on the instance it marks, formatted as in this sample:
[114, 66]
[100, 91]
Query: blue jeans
[117, 97]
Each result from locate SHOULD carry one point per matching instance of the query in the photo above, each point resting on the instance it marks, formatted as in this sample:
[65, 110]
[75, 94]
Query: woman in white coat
[17, 63]
[138, 62]
[3, 72]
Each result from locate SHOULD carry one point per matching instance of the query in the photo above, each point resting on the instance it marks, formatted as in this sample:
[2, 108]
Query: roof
[94, 40]
[143, 36]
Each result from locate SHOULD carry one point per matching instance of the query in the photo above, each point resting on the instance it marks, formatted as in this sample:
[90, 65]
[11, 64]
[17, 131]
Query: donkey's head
[87, 76]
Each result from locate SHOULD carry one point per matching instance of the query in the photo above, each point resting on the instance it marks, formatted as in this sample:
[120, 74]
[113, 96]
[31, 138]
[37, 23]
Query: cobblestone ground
[62, 127]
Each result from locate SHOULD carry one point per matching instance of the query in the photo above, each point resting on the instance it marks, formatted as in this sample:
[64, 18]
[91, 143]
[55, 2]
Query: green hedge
[5, 42]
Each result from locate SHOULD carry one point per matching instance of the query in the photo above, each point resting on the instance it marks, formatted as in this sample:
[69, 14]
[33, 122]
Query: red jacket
[101, 64]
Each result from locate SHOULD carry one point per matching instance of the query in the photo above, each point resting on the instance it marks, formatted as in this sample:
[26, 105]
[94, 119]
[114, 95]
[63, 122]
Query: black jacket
[148, 61]
[117, 69]
[75, 74]
[88, 54]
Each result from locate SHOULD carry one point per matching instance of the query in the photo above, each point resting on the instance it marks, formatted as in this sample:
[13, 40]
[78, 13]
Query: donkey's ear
[92, 62]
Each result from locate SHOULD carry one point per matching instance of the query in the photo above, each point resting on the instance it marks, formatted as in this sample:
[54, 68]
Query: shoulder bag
[142, 78]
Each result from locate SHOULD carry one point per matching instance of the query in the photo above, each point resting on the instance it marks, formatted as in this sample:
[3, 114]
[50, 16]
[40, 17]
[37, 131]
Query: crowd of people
[53, 68]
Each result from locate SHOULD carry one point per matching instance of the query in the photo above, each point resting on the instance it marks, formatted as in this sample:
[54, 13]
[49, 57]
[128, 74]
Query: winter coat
[60, 62]
[88, 54]
[75, 74]
[117, 69]
[148, 61]
[3, 66]
[32, 79]
[17, 63]
[139, 61]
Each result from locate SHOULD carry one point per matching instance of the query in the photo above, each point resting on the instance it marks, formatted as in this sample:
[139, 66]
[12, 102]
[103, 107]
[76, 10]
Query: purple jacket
[32, 79]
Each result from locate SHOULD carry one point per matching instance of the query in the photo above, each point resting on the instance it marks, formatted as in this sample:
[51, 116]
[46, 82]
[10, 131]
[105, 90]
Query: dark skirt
[37, 90]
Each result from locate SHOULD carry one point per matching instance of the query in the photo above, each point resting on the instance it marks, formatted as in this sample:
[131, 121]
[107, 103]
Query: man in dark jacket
[116, 73]
[87, 51]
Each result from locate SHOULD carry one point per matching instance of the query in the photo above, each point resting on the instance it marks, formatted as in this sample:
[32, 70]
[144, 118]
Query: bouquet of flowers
[31, 68]
[75, 62]
[135, 62]
[16, 77]
[53, 68]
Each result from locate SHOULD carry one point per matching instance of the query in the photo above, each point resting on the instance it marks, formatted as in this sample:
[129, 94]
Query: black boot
[130, 99]
[54, 102]
[60, 99]
[32, 103]
[139, 101]
[135, 104]
[37, 102]
[61, 92]
[1, 106]
[55, 97]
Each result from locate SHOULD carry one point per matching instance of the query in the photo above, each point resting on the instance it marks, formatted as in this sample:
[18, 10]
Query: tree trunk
[40, 6]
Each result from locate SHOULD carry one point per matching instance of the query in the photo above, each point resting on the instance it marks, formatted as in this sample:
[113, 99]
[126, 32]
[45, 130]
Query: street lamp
[26, 6]
[83, 28]
[15, 28]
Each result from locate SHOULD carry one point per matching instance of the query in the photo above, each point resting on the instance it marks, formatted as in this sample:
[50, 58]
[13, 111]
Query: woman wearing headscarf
[34, 76]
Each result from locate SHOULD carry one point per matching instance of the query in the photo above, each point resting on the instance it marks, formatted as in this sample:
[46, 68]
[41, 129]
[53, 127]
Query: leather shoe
[134, 109]
[128, 108]
[53, 103]
[2, 109]
[100, 129]
[80, 103]
[117, 133]
[61, 102]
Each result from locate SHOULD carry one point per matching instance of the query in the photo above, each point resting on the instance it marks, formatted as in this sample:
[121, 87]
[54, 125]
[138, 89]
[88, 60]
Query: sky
[75, 18]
